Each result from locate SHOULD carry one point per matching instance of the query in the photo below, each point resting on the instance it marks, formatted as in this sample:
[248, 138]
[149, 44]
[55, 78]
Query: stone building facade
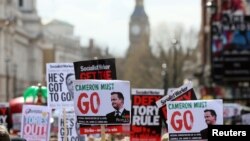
[26, 45]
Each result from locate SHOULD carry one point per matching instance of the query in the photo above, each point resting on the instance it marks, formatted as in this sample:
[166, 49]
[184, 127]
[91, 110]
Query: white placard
[92, 101]
[60, 78]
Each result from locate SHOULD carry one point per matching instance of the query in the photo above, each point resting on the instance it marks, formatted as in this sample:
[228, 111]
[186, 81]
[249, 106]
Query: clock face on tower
[135, 29]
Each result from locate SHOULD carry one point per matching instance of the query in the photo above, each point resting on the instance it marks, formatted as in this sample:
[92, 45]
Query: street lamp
[7, 60]
[211, 8]
[174, 43]
[5, 23]
[164, 74]
[14, 80]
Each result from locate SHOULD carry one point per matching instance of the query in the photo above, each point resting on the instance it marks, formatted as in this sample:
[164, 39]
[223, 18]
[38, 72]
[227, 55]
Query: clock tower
[139, 60]
[139, 27]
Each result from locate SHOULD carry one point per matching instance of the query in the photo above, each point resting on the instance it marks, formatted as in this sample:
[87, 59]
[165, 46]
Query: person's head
[210, 116]
[117, 100]
[4, 134]
[69, 82]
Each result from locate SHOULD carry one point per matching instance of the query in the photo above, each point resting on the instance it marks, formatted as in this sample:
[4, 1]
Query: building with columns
[26, 45]
[21, 57]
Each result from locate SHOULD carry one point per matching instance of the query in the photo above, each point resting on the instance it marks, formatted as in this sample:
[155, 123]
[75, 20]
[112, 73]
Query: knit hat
[4, 135]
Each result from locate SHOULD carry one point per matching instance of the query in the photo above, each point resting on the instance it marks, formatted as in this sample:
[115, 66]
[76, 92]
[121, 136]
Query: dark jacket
[123, 118]
[17, 139]
[204, 133]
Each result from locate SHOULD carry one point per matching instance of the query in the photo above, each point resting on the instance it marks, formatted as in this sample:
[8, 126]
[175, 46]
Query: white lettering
[215, 131]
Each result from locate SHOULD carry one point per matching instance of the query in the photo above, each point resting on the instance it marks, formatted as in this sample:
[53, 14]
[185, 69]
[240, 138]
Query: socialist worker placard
[146, 120]
[184, 92]
[98, 69]
[102, 102]
[95, 69]
[60, 78]
[189, 120]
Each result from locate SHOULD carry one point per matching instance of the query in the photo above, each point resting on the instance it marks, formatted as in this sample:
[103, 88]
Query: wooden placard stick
[102, 132]
[65, 124]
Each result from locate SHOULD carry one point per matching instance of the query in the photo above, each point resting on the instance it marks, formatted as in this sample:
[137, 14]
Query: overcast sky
[107, 21]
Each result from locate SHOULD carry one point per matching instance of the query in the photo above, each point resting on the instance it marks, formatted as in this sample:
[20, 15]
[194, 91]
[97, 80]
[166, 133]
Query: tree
[143, 65]
[175, 46]
[141, 69]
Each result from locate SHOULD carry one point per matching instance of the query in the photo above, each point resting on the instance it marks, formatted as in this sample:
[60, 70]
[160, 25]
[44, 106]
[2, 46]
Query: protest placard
[189, 120]
[146, 121]
[5, 114]
[60, 78]
[96, 69]
[68, 126]
[185, 92]
[35, 125]
[102, 101]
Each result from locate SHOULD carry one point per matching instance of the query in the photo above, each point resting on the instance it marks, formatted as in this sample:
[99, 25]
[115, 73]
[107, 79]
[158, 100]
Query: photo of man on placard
[69, 83]
[210, 119]
[120, 115]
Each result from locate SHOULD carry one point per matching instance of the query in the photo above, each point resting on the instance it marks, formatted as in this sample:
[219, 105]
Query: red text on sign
[145, 100]
[178, 121]
[84, 102]
[187, 96]
[96, 75]
[32, 129]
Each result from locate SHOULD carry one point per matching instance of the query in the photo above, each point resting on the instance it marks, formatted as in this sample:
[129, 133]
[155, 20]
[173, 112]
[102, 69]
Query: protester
[4, 134]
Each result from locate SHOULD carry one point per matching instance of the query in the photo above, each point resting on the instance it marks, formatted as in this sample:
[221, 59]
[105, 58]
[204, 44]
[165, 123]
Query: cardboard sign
[185, 92]
[5, 114]
[96, 69]
[93, 101]
[60, 78]
[186, 119]
[71, 130]
[146, 119]
[35, 124]
[80, 68]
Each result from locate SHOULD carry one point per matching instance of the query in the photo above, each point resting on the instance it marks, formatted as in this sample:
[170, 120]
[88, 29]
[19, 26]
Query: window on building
[26, 5]
[20, 3]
